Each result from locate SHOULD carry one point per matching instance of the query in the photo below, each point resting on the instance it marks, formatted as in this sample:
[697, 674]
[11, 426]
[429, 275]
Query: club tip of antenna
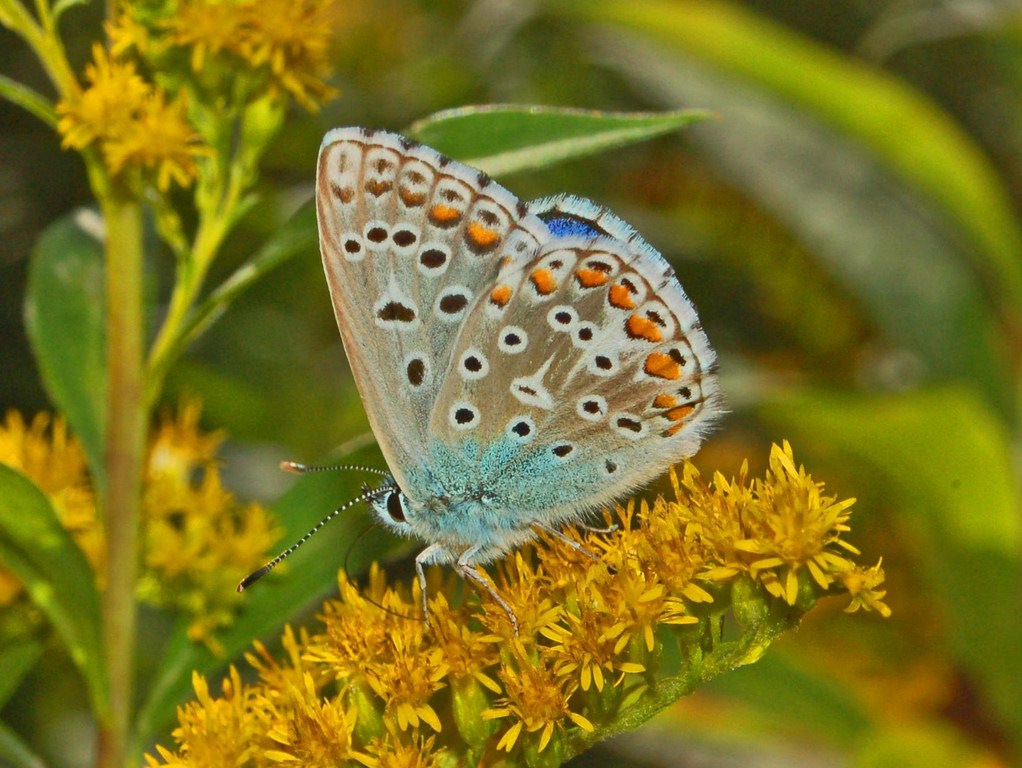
[252, 578]
[292, 466]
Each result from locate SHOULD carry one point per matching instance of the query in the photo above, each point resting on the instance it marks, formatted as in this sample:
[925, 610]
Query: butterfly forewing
[409, 240]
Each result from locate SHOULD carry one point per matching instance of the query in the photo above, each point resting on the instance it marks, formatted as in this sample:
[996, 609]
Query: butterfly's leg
[593, 529]
[434, 553]
[570, 542]
[468, 571]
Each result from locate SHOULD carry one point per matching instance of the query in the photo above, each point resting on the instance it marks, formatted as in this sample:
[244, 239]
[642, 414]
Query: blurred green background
[849, 228]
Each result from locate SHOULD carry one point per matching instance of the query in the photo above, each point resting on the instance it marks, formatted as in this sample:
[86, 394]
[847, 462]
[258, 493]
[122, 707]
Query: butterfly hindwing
[588, 377]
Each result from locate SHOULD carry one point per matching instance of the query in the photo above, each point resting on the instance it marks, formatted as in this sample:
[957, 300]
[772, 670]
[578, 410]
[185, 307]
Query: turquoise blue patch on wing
[561, 225]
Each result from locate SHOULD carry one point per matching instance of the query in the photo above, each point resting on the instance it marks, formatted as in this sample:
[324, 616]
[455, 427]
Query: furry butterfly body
[520, 364]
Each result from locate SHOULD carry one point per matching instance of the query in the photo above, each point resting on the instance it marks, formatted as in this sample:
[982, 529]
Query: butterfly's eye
[395, 508]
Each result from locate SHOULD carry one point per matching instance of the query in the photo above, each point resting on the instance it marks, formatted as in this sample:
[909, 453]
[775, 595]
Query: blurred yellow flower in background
[199, 541]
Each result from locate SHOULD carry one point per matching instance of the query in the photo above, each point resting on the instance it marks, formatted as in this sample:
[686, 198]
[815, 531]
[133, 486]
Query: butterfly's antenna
[252, 578]
[300, 469]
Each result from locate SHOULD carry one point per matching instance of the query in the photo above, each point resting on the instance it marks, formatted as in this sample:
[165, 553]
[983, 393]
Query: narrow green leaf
[780, 688]
[904, 265]
[310, 574]
[29, 100]
[61, 6]
[58, 578]
[503, 139]
[906, 131]
[948, 461]
[14, 752]
[16, 660]
[65, 318]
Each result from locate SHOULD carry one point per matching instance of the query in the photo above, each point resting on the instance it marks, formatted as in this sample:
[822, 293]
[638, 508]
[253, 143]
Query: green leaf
[299, 235]
[783, 691]
[905, 266]
[16, 660]
[503, 139]
[948, 462]
[65, 318]
[907, 132]
[14, 752]
[56, 575]
[32, 102]
[310, 574]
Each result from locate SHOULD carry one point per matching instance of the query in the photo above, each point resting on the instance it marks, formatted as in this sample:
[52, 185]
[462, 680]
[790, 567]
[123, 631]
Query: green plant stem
[125, 445]
[43, 39]
[191, 273]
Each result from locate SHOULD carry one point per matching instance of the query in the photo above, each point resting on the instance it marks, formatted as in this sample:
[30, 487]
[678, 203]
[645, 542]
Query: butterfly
[521, 364]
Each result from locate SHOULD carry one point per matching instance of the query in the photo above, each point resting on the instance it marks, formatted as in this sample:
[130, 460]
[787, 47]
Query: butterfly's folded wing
[584, 373]
[408, 239]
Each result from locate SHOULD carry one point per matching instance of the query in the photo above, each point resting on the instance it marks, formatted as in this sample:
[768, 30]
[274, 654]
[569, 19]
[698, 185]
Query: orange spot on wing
[444, 214]
[640, 327]
[621, 297]
[662, 366]
[665, 401]
[590, 278]
[679, 413]
[671, 431]
[482, 236]
[544, 281]
[501, 295]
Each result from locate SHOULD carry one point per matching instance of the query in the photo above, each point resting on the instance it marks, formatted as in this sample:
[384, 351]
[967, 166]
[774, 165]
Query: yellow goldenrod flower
[602, 642]
[289, 39]
[46, 453]
[133, 122]
[198, 540]
[535, 700]
[126, 33]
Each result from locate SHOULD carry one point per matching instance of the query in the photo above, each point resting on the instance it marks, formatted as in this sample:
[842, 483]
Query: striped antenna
[252, 578]
[298, 468]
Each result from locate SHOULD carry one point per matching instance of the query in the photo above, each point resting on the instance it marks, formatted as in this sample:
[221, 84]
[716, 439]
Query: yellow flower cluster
[48, 454]
[290, 39]
[246, 48]
[198, 540]
[134, 123]
[602, 641]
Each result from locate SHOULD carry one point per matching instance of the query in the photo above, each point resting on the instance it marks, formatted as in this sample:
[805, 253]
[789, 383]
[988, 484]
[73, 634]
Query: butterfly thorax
[458, 522]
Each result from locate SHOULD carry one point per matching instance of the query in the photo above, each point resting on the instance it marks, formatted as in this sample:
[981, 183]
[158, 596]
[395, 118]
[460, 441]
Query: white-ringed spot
[473, 365]
[352, 247]
[417, 370]
[628, 425]
[513, 340]
[375, 235]
[562, 317]
[463, 416]
[603, 364]
[452, 303]
[521, 429]
[563, 451]
[591, 407]
[583, 335]
[434, 259]
[406, 240]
